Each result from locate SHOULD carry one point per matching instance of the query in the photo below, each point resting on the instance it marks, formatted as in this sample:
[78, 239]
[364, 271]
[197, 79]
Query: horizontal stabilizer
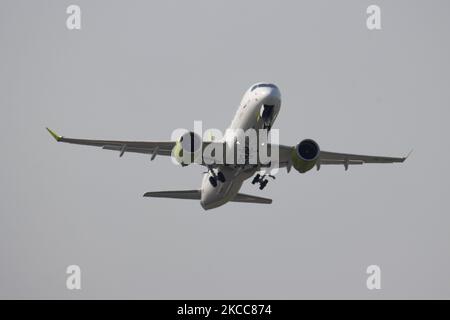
[242, 197]
[196, 195]
[182, 194]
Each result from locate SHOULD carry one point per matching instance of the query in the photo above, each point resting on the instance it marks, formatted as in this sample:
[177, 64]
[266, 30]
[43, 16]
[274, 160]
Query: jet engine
[305, 155]
[188, 149]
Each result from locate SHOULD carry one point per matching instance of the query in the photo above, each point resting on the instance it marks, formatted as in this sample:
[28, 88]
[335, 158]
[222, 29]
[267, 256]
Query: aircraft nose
[271, 94]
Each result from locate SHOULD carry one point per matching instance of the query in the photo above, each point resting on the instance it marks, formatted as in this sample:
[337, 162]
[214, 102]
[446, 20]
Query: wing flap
[335, 156]
[159, 150]
[340, 162]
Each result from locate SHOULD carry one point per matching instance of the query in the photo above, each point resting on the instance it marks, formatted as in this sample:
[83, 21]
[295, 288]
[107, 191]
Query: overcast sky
[139, 69]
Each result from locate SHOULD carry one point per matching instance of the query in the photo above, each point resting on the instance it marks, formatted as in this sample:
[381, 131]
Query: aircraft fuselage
[258, 109]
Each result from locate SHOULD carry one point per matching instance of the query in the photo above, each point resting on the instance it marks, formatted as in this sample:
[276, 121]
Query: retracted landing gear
[261, 179]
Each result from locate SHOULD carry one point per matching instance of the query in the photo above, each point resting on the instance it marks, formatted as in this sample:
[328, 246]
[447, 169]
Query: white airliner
[258, 109]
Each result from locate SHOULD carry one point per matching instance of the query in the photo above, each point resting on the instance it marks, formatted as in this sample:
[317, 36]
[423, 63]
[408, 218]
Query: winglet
[54, 135]
[407, 156]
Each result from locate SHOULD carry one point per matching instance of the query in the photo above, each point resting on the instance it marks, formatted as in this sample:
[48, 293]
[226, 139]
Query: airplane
[221, 183]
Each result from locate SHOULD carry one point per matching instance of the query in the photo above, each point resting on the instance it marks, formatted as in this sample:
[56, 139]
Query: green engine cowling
[188, 149]
[305, 155]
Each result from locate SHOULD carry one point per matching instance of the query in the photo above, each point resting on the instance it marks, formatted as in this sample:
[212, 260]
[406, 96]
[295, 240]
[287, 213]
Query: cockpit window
[263, 85]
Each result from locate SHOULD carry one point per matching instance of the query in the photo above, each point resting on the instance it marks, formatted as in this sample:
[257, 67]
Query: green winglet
[54, 135]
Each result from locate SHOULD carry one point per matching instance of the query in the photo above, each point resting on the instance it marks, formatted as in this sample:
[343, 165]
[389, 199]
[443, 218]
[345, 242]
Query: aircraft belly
[213, 197]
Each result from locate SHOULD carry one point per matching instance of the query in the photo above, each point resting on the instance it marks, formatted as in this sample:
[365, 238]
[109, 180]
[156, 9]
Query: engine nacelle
[305, 155]
[188, 149]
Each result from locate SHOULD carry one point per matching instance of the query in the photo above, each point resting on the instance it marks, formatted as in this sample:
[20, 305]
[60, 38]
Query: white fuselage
[249, 115]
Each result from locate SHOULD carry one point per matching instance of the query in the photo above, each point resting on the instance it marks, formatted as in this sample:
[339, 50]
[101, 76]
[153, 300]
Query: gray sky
[139, 69]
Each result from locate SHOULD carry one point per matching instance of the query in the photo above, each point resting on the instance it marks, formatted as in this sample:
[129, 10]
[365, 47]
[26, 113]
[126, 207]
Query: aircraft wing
[152, 148]
[336, 158]
[163, 148]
